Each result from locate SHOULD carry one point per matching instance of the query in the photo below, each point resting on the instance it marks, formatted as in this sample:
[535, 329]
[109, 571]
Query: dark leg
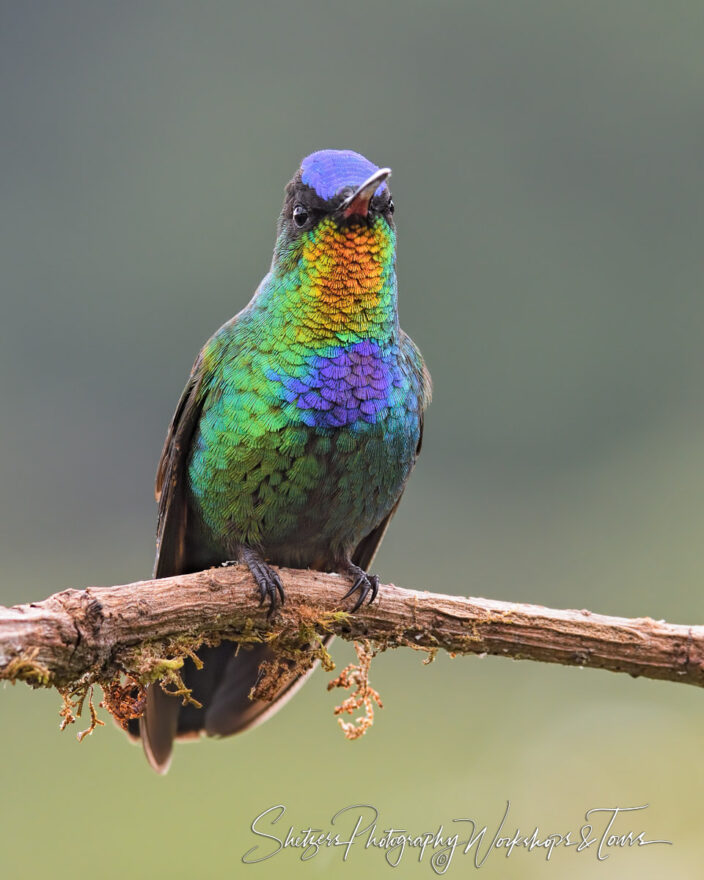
[365, 583]
[268, 581]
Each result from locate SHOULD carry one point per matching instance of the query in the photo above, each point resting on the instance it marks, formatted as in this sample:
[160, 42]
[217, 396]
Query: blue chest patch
[349, 385]
[329, 171]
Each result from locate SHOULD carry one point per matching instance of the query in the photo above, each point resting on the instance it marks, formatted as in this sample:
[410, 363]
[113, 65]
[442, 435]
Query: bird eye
[391, 207]
[300, 215]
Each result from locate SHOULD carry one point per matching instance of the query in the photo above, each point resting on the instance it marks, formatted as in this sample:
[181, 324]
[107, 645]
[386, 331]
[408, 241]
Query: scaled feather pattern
[313, 390]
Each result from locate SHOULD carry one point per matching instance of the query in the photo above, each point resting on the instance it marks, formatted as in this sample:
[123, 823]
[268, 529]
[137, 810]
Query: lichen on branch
[124, 638]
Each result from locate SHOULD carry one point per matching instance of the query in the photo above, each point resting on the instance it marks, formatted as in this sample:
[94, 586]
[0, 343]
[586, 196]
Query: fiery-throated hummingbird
[295, 435]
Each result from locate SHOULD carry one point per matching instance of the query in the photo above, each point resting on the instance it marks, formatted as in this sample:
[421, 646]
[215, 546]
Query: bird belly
[304, 496]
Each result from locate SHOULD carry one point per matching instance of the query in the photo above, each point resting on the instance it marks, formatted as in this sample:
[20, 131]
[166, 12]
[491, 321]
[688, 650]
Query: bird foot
[268, 581]
[364, 583]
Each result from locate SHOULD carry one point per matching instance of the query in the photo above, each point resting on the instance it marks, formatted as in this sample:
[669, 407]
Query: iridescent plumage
[299, 426]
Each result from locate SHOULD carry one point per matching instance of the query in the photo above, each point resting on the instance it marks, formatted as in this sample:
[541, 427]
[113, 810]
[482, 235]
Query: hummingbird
[294, 438]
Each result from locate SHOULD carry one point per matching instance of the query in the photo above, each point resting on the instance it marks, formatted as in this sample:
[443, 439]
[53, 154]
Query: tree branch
[144, 630]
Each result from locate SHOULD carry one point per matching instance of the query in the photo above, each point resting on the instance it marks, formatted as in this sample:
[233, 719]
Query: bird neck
[337, 285]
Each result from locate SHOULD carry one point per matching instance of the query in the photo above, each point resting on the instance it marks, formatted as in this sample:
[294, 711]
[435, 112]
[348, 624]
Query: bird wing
[170, 490]
[159, 723]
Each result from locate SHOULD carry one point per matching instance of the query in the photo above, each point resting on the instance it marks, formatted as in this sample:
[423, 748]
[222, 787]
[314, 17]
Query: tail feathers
[158, 727]
[232, 711]
[222, 687]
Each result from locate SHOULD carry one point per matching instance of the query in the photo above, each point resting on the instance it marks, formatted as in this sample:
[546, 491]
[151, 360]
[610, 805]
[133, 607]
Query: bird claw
[365, 584]
[268, 581]
[271, 588]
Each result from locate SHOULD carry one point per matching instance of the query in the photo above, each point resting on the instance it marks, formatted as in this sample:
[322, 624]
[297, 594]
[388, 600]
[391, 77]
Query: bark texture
[144, 630]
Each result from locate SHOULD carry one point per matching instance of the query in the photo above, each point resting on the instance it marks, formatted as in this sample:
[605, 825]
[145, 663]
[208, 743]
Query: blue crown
[329, 171]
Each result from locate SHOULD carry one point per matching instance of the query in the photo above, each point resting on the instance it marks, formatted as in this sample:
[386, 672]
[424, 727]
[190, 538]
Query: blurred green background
[547, 161]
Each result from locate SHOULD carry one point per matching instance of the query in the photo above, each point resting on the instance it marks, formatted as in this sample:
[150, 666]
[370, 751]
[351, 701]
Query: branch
[142, 631]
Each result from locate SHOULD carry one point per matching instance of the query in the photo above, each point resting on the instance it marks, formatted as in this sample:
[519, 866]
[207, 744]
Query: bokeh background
[547, 161]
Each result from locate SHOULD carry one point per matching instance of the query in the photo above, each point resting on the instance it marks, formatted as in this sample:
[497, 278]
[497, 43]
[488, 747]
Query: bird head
[337, 214]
